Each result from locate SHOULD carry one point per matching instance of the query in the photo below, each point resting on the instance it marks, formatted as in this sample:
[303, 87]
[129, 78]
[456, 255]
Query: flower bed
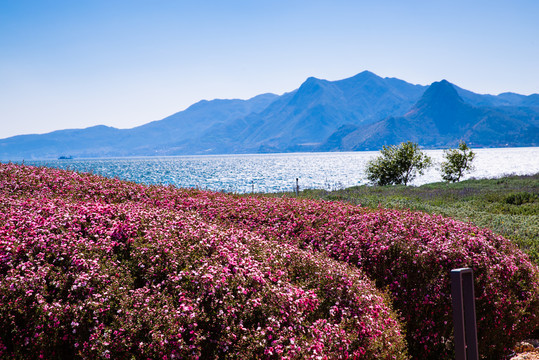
[94, 268]
[411, 255]
[407, 254]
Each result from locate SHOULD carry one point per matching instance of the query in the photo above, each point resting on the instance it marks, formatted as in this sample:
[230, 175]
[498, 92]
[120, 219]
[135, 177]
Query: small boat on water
[64, 157]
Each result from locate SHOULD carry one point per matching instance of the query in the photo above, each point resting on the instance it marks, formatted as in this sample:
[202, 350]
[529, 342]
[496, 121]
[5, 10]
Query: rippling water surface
[278, 172]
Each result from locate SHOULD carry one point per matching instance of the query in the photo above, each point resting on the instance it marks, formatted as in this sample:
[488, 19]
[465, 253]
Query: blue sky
[74, 64]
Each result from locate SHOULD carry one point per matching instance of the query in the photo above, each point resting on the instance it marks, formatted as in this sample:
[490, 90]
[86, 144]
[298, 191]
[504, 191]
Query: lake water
[278, 172]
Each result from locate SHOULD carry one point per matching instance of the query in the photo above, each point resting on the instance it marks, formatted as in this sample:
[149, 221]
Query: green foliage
[397, 164]
[457, 163]
[521, 198]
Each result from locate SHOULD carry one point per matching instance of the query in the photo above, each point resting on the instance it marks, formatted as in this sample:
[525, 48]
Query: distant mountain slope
[503, 99]
[359, 113]
[441, 118]
[164, 137]
[93, 141]
[149, 139]
[304, 118]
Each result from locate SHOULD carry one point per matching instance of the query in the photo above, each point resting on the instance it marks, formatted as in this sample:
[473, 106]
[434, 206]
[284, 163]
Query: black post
[297, 187]
[463, 297]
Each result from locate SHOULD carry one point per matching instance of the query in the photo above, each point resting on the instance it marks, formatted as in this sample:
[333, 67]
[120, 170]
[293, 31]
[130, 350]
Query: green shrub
[397, 164]
[520, 198]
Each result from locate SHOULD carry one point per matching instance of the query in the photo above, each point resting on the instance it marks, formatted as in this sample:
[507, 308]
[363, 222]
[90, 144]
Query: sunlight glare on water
[278, 172]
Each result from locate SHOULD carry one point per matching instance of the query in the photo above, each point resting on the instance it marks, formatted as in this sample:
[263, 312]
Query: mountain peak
[442, 85]
[364, 76]
[440, 93]
[367, 73]
[443, 105]
[311, 89]
[311, 81]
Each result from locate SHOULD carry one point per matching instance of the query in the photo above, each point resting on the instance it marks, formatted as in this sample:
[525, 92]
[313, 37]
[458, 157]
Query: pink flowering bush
[411, 255]
[99, 268]
[173, 249]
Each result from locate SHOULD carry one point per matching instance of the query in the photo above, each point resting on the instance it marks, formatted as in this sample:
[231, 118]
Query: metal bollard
[463, 297]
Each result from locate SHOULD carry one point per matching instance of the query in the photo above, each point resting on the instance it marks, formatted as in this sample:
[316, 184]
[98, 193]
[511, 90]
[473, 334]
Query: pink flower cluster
[98, 268]
[410, 254]
[102, 268]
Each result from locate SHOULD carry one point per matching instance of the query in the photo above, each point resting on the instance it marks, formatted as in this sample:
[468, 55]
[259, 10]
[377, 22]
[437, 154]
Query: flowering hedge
[407, 254]
[411, 255]
[98, 268]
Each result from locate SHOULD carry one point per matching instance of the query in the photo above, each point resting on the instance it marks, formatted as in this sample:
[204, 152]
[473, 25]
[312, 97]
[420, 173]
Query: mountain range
[363, 112]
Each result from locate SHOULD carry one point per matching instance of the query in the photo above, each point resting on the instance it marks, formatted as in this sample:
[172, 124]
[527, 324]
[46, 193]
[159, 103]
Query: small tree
[458, 162]
[398, 164]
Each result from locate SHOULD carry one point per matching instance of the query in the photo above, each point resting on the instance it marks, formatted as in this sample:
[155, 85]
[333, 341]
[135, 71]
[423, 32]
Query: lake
[278, 172]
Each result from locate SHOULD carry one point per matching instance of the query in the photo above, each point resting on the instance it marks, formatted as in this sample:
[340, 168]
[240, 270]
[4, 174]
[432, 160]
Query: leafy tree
[398, 164]
[457, 162]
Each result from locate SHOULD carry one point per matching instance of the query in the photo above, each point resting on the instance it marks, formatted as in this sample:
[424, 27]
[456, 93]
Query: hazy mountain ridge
[442, 118]
[304, 118]
[358, 113]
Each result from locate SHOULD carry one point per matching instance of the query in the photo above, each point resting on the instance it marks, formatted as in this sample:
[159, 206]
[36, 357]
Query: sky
[75, 64]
